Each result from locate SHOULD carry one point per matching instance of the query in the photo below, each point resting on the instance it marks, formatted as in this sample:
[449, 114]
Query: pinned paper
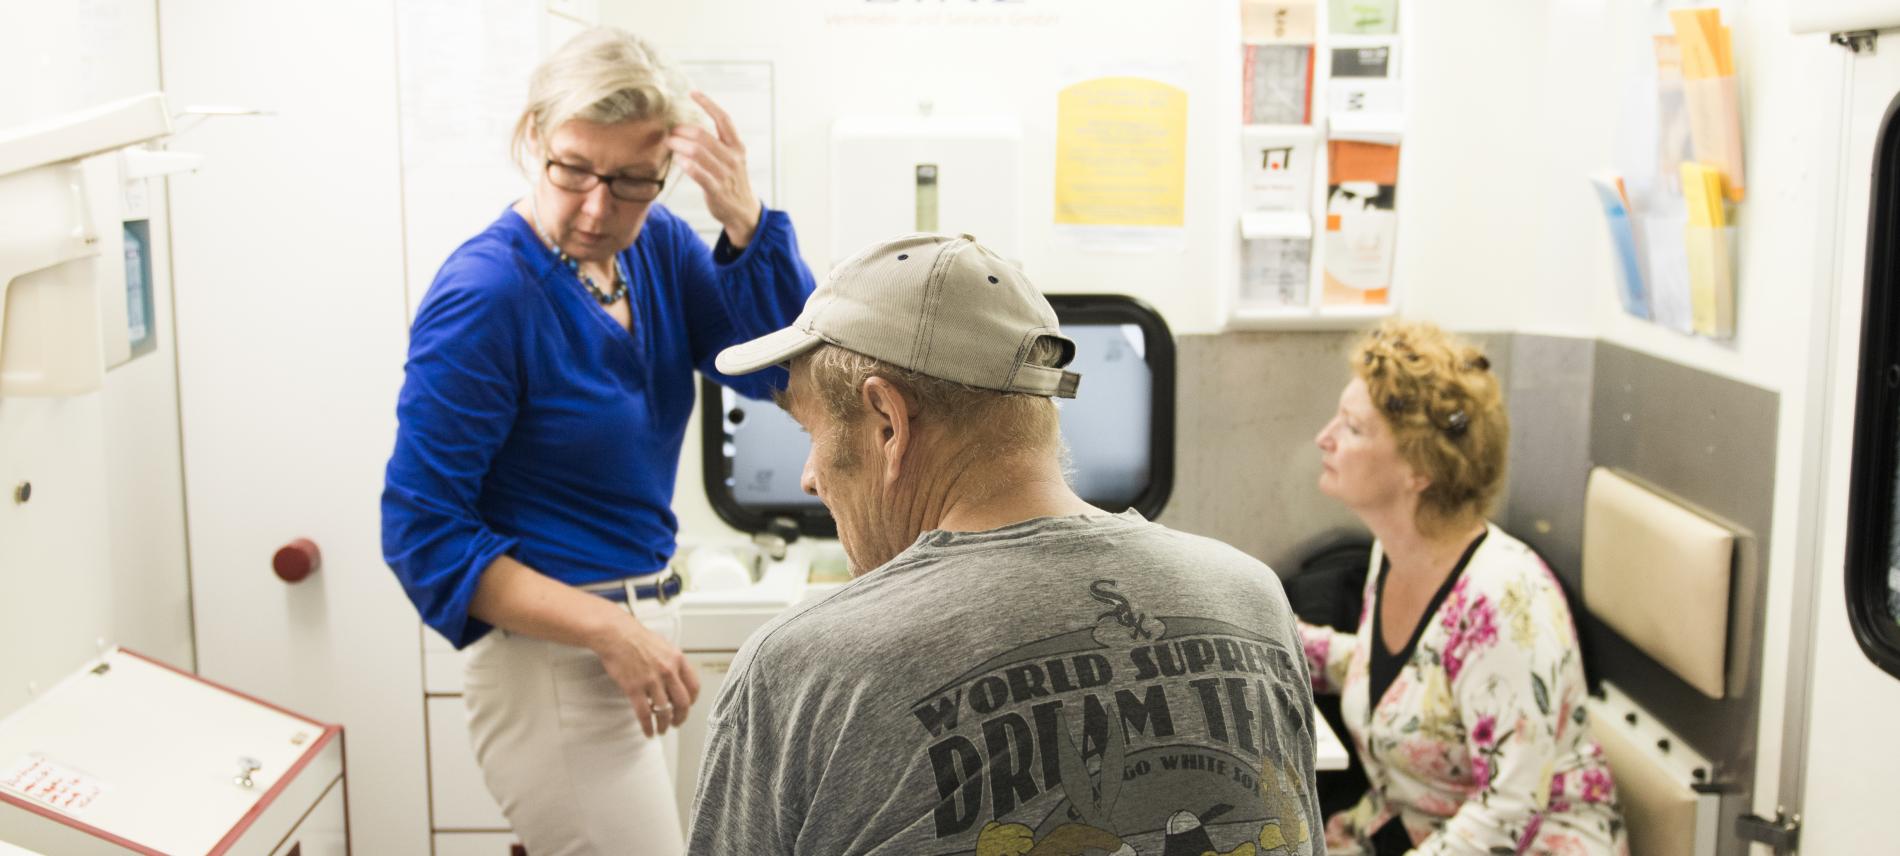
[1277, 20]
[1361, 222]
[1276, 259]
[1709, 243]
[1708, 72]
[1363, 17]
[50, 784]
[1276, 84]
[1121, 153]
[1616, 212]
[1277, 169]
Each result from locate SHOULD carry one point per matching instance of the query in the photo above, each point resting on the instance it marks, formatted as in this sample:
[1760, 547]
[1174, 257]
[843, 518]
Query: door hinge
[1854, 40]
[1782, 834]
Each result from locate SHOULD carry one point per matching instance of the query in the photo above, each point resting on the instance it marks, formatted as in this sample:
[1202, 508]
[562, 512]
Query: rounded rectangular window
[1873, 525]
[1119, 429]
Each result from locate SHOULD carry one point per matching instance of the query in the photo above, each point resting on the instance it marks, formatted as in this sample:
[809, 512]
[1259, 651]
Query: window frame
[1871, 494]
[1070, 309]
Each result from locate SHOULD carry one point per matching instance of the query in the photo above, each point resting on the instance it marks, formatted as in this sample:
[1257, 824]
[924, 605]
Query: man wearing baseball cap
[1013, 670]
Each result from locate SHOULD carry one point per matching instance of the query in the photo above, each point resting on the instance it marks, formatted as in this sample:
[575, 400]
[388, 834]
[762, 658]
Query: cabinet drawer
[712, 666]
[458, 799]
[322, 832]
[476, 844]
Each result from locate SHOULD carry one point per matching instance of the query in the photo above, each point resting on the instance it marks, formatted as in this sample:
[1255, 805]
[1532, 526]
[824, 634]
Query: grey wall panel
[1548, 389]
[1710, 442]
[1248, 406]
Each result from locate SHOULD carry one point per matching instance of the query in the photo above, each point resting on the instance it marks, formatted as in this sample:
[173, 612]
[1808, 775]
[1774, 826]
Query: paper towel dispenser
[926, 174]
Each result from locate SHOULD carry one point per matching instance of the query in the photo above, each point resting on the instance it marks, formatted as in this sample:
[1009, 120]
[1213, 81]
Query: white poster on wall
[742, 88]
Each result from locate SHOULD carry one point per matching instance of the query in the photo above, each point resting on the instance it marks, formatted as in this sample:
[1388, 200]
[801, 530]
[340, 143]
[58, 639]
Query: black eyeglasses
[574, 179]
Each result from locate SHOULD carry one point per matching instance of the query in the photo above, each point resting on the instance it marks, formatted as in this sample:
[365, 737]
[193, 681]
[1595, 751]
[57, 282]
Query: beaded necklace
[607, 297]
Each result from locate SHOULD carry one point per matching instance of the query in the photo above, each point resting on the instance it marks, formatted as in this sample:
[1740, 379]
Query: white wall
[838, 58]
[98, 553]
[289, 251]
[1787, 83]
[1473, 183]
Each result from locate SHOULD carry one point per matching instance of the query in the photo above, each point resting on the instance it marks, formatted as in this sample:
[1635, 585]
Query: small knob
[296, 560]
[246, 766]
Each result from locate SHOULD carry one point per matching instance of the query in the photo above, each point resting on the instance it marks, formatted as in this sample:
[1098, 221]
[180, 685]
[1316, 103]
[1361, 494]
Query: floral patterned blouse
[1480, 745]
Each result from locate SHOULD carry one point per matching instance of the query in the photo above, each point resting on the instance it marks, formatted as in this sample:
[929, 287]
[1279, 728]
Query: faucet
[779, 533]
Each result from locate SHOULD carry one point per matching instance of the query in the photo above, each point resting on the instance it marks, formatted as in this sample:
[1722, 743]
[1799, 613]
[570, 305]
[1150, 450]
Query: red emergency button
[296, 560]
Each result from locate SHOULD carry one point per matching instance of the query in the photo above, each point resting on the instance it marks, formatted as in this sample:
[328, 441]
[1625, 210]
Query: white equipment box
[129, 755]
[891, 175]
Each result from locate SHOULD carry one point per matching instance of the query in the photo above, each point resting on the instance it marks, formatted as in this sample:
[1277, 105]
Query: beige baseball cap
[940, 305]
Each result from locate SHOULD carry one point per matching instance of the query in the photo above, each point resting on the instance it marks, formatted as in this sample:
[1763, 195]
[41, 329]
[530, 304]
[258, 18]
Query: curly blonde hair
[1447, 414]
[603, 75]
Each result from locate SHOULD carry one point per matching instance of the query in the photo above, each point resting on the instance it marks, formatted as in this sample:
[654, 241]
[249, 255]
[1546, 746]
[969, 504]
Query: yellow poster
[1121, 153]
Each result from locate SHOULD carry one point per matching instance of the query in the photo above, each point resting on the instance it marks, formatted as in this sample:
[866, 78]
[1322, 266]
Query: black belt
[661, 590]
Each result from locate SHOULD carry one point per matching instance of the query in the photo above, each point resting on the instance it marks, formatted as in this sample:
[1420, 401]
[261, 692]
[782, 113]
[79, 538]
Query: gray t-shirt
[1076, 685]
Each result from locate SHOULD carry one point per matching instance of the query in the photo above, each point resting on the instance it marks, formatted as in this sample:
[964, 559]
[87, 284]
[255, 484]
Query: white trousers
[562, 752]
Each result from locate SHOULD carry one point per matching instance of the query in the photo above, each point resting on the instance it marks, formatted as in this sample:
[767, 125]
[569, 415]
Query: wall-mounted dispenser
[51, 336]
[894, 174]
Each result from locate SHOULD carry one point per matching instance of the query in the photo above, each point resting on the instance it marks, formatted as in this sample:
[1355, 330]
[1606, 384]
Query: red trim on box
[343, 747]
[80, 825]
[330, 732]
[244, 823]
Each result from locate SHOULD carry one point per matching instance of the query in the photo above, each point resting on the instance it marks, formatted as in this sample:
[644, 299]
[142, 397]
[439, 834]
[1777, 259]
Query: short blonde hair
[603, 75]
[1447, 414]
[990, 423]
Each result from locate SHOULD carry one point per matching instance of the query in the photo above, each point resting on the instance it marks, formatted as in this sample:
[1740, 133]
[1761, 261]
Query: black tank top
[1385, 664]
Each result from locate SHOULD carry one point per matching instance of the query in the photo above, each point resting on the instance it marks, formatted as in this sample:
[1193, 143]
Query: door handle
[296, 560]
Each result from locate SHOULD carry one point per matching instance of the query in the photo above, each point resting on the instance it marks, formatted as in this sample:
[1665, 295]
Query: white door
[291, 315]
[1853, 742]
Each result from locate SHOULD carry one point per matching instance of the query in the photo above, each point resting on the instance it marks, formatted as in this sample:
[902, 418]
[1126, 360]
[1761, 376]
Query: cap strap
[1044, 380]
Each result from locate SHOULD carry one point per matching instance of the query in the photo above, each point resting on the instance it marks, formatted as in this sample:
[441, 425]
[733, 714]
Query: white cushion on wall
[1659, 575]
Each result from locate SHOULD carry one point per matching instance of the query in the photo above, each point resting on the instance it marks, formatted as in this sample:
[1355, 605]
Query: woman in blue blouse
[526, 509]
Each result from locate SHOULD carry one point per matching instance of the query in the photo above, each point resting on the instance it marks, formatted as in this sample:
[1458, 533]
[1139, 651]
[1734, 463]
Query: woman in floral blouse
[1463, 689]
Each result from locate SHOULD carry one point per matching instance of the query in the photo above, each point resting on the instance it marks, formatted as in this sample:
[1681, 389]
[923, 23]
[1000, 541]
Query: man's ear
[888, 416]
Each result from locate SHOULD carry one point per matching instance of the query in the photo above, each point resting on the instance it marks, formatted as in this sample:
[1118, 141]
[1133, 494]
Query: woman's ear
[1415, 481]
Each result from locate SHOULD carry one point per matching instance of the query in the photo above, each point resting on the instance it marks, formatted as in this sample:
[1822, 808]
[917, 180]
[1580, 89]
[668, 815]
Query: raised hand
[715, 159]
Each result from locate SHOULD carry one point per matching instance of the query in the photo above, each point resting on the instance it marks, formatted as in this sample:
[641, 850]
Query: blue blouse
[532, 424]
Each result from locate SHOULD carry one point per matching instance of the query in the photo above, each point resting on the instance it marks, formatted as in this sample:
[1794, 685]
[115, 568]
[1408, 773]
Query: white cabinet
[323, 832]
[712, 666]
[129, 755]
[475, 844]
[458, 798]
